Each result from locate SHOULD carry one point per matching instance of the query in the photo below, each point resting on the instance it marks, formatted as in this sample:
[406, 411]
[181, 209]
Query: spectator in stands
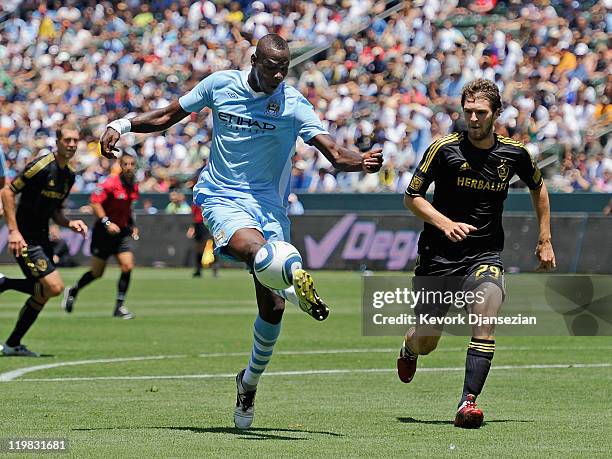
[295, 206]
[177, 204]
[400, 77]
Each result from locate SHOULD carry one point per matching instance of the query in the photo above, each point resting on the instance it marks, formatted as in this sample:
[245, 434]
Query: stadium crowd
[392, 81]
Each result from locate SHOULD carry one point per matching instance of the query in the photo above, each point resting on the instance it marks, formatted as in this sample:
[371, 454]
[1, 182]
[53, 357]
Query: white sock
[289, 295]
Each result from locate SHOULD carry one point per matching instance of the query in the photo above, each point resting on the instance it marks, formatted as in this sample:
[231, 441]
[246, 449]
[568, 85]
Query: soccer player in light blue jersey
[243, 190]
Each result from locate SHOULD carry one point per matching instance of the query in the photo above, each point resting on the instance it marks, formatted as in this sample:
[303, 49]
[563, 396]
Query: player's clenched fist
[457, 231]
[78, 226]
[372, 161]
[546, 256]
[108, 141]
[16, 242]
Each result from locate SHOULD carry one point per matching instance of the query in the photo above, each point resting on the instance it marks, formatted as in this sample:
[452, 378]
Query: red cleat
[406, 365]
[468, 416]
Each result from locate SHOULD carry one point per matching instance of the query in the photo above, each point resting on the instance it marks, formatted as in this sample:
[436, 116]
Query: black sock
[477, 364]
[21, 285]
[85, 279]
[198, 262]
[122, 286]
[28, 314]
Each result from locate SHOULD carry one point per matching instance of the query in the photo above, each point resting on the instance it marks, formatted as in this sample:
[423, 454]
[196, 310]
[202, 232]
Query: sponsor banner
[388, 242]
[366, 241]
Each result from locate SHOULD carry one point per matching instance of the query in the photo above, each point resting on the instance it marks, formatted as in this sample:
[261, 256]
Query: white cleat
[67, 302]
[17, 351]
[245, 404]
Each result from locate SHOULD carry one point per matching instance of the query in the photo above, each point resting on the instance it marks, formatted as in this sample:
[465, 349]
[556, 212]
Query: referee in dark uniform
[463, 235]
[44, 185]
[113, 234]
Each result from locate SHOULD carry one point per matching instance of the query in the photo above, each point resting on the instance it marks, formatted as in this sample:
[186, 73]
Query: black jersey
[470, 187]
[43, 186]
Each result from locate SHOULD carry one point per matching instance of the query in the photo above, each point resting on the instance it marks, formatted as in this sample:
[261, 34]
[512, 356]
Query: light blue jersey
[254, 137]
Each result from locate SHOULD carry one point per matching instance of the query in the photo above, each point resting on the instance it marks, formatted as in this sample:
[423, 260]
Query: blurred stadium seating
[386, 73]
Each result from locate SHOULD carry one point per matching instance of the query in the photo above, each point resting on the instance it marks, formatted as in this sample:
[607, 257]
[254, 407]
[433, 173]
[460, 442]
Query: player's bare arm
[422, 208]
[16, 242]
[152, 121]
[347, 160]
[544, 250]
[78, 226]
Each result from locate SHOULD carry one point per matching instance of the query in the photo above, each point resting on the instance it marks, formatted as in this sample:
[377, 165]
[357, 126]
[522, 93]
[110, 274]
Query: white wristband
[122, 126]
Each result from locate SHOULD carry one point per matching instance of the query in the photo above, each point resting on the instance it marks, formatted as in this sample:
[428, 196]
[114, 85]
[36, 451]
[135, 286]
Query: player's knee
[251, 250]
[126, 268]
[54, 289]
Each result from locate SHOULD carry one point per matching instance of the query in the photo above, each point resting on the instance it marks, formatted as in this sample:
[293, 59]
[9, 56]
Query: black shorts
[36, 261]
[436, 273]
[103, 245]
[201, 232]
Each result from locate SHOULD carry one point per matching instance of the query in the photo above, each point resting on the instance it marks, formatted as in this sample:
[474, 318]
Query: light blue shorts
[226, 215]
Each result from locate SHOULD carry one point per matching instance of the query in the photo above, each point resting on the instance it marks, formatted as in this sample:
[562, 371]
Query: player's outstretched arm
[347, 160]
[544, 250]
[422, 208]
[153, 121]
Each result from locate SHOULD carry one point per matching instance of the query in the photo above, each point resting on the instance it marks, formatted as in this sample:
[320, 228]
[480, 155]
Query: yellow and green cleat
[310, 302]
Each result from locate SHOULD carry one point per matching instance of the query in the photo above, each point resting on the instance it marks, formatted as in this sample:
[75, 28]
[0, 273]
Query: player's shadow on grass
[450, 422]
[258, 433]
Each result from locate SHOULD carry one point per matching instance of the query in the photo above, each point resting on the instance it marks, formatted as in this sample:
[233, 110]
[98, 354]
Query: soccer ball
[275, 263]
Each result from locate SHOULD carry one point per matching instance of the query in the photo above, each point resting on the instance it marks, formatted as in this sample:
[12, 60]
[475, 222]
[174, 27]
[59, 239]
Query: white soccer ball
[275, 263]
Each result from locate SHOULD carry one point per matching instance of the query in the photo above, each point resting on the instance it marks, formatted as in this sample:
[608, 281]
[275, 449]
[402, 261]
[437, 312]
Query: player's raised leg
[98, 265]
[278, 266]
[419, 340]
[28, 286]
[479, 354]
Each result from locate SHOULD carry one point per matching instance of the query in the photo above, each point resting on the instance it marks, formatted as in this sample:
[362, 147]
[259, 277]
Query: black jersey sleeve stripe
[17, 185]
[39, 166]
[446, 140]
[20, 181]
[508, 141]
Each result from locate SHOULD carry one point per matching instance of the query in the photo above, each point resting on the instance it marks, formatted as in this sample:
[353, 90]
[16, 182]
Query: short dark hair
[272, 41]
[66, 126]
[485, 88]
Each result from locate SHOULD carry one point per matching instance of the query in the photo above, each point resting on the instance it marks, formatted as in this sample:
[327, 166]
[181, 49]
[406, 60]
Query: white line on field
[394, 350]
[14, 374]
[316, 372]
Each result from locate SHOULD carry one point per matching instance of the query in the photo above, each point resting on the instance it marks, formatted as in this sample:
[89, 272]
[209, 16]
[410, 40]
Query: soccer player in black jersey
[463, 235]
[44, 185]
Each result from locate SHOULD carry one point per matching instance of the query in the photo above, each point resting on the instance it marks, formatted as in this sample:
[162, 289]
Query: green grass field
[162, 385]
